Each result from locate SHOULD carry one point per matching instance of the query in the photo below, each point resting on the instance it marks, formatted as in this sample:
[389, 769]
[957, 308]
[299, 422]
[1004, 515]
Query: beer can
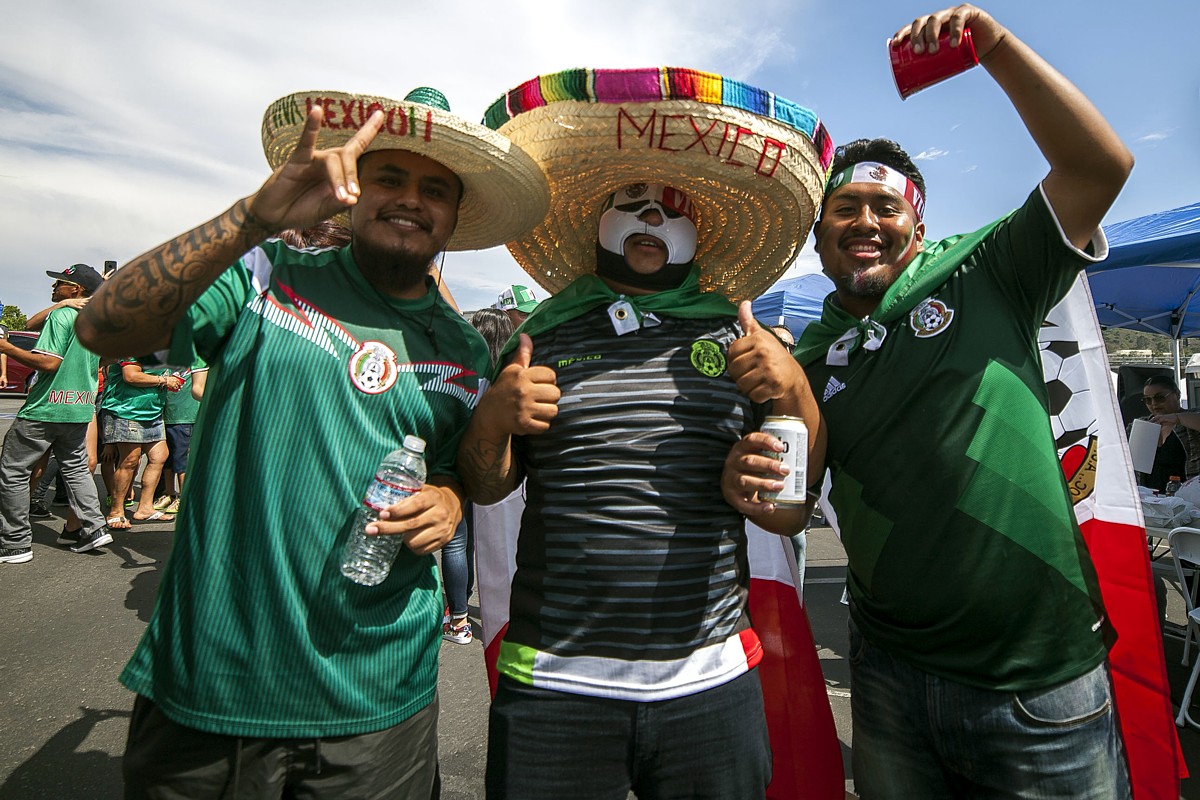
[793, 434]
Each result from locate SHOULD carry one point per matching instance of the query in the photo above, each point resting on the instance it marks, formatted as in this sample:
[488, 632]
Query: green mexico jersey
[69, 393]
[182, 408]
[965, 557]
[314, 377]
[126, 401]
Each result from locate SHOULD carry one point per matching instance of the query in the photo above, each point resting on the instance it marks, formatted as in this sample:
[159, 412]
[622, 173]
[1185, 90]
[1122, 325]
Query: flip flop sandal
[118, 523]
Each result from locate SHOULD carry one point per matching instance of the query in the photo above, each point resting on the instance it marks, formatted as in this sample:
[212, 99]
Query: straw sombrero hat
[753, 163]
[504, 191]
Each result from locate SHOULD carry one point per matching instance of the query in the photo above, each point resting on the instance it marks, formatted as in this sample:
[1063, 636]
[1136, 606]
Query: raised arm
[136, 309]
[1088, 161]
[36, 322]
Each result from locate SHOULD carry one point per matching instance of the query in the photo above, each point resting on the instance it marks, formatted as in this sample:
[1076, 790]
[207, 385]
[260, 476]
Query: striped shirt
[631, 569]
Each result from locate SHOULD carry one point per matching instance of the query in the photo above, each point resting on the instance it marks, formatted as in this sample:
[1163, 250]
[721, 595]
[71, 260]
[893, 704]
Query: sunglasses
[1156, 398]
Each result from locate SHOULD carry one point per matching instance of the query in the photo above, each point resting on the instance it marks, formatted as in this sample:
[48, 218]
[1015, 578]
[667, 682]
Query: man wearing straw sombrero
[978, 633]
[629, 662]
[265, 670]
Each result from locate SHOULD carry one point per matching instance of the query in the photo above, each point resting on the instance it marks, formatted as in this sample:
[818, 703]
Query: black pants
[168, 761]
[553, 745]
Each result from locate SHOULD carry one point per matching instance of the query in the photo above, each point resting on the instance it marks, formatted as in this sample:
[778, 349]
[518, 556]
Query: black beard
[391, 272]
[874, 287]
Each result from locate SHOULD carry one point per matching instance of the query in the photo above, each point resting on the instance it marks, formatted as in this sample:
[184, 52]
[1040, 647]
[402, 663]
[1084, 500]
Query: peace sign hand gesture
[313, 185]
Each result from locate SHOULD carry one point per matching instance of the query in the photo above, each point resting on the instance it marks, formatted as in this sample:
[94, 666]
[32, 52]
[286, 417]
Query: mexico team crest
[707, 358]
[930, 318]
[373, 368]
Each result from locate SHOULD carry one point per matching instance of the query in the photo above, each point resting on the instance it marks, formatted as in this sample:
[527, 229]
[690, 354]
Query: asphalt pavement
[70, 622]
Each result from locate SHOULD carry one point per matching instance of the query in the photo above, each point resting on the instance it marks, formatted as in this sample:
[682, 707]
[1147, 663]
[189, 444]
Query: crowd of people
[81, 412]
[626, 407]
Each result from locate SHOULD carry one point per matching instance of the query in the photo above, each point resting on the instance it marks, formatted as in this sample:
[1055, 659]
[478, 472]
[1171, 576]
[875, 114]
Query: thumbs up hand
[760, 364]
[524, 398]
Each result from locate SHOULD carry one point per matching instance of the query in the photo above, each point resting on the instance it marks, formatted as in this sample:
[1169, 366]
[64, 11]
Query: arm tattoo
[137, 308]
[488, 469]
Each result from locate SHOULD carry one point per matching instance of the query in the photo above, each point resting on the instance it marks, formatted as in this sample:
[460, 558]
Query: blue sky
[126, 123]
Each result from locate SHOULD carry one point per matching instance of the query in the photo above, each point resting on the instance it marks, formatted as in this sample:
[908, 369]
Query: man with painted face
[977, 645]
[629, 598]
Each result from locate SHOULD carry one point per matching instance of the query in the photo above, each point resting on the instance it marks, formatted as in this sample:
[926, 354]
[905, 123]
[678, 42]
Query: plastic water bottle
[1172, 486]
[368, 559]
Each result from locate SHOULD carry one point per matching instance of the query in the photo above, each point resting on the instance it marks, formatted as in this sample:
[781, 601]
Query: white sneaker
[457, 631]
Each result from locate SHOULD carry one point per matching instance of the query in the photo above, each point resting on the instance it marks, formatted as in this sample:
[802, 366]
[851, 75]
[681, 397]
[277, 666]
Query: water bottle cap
[414, 443]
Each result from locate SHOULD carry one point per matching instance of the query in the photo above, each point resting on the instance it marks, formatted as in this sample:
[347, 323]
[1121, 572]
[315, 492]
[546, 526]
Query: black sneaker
[59, 499]
[70, 537]
[15, 555]
[38, 510]
[97, 538]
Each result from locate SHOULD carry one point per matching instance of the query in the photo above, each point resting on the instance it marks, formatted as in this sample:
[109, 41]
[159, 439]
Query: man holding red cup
[978, 647]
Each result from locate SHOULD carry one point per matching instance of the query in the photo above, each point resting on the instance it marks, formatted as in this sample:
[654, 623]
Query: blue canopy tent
[793, 302]
[1151, 279]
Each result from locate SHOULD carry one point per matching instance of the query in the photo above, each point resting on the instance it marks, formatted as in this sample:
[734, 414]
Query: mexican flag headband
[873, 172]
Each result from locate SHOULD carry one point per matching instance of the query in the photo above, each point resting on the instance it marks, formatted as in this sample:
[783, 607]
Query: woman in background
[458, 556]
[1178, 451]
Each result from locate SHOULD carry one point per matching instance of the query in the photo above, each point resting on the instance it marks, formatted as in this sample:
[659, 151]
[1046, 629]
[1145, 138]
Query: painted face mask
[619, 220]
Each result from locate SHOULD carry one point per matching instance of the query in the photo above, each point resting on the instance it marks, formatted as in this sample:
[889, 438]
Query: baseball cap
[80, 275]
[519, 297]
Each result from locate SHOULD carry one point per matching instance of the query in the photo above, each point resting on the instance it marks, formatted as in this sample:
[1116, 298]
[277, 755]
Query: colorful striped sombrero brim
[753, 163]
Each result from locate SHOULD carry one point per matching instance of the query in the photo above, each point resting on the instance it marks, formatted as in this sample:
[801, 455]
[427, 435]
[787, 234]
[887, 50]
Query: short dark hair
[884, 151]
[1163, 381]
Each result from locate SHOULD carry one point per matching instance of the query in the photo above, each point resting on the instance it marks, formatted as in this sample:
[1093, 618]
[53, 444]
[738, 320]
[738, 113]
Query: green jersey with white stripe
[314, 377]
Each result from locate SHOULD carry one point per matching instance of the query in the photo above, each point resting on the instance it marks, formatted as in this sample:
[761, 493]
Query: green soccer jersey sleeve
[210, 319]
[56, 334]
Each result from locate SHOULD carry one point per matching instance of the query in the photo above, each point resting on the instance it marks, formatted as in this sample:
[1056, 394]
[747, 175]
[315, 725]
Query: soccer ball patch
[707, 358]
[373, 368]
[930, 318]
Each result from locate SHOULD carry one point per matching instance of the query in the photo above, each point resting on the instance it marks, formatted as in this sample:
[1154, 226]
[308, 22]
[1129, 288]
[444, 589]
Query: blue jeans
[458, 574]
[917, 735]
[547, 745]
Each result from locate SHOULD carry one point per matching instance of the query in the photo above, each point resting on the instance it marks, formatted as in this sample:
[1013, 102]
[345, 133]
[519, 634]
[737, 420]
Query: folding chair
[1185, 546]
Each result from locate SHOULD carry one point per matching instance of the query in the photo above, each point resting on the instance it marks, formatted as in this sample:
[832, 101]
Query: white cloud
[131, 121]
[1155, 137]
[930, 154]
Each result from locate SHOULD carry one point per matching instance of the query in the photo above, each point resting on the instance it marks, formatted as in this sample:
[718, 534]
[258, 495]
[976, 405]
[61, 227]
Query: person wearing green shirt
[54, 418]
[179, 417]
[132, 426]
[978, 636]
[321, 362]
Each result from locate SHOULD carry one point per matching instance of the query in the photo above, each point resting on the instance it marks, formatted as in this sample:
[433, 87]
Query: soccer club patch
[373, 368]
[707, 358]
[930, 318]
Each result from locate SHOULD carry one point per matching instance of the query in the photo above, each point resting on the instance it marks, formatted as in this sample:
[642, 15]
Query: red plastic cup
[913, 72]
